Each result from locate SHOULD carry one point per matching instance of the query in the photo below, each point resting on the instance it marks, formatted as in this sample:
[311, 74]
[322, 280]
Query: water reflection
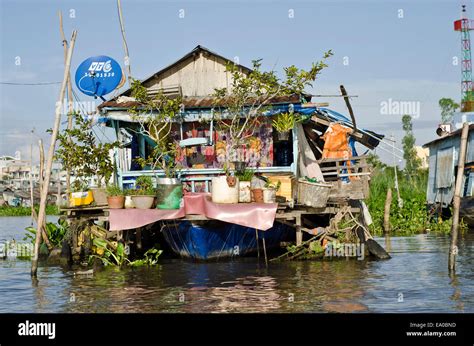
[417, 271]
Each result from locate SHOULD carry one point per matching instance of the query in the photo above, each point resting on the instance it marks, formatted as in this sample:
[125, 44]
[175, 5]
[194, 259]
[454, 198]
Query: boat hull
[215, 239]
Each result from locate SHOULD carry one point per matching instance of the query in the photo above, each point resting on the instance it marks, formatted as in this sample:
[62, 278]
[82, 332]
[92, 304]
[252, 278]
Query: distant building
[423, 154]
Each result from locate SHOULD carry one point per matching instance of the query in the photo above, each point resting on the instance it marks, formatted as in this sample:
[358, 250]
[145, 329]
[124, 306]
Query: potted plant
[84, 158]
[284, 123]
[269, 192]
[156, 125]
[115, 197]
[144, 194]
[80, 195]
[245, 180]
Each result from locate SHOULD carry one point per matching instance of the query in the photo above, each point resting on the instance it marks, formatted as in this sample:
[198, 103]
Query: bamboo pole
[69, 95]
[57, 123]
[125, 46]
[457, 197]
[386, 214]
[41, 164]
[32, 199]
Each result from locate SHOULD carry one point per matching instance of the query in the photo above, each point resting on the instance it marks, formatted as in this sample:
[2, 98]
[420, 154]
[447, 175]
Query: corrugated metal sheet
[439, 190]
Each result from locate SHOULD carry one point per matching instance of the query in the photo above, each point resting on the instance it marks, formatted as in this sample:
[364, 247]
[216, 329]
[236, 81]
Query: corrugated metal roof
[452, 134]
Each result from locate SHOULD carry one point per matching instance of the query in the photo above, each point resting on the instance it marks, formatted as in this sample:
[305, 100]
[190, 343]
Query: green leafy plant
[144, 186]
[80, 153]
[412, 161]
[285, 122]
[55, 232]
[151, 258]
[114, 190]
[275, 186]
[155, 115]
[110, 256]
[448, 107]
[247, 175]
[79, 185]
[240, 106]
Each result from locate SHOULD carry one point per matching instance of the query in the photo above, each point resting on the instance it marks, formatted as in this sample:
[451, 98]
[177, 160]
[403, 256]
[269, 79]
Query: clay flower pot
[116, 202]
[257, 195]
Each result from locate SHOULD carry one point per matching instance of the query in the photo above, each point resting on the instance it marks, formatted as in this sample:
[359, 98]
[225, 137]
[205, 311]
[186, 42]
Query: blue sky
[399, 50]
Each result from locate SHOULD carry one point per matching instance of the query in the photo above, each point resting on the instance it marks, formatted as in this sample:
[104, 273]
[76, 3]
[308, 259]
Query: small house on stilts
[317, 167]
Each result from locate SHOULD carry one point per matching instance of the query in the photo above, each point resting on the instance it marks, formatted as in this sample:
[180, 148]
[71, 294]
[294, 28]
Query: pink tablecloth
[254, 215]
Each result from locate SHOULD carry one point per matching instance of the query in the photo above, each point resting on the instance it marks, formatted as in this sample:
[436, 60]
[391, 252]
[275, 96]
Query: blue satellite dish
[99, 75]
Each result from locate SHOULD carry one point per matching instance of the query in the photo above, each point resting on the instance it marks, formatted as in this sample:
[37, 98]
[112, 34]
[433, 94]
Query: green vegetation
[286, 121]
[114, 254]
[239, 106]
[154, 114]
[108, 255]
[412, 162]
[448, 107]
[412, 217]
[114, 190]
[80, 153]
[26, 211]
[247, 175]
[144, 186]
[150, 259]
[55, 232]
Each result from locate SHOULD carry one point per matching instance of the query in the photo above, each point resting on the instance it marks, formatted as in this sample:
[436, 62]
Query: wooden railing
[350, 177]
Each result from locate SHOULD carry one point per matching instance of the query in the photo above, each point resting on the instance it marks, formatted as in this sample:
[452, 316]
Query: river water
[414, 280]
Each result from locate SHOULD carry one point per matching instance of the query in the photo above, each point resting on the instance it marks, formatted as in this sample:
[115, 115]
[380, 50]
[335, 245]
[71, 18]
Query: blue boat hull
[214, 239]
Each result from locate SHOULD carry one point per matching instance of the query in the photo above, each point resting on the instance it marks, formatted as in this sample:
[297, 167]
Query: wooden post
[457, 197]
[265, 251]
[299, 233]
[41, 164]
[386, 214]
[349, 107]
[69, 96]
[256, 239]
[31, 182]
[47, 177]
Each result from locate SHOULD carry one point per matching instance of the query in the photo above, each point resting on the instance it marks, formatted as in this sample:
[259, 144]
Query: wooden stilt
[265, 251]
[258, 246]
[299, 233]
[386, 214]
[47, 177]
[457, 197]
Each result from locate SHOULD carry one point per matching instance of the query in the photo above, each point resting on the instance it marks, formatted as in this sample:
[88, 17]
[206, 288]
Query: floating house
[443, 163]
[203, 230]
